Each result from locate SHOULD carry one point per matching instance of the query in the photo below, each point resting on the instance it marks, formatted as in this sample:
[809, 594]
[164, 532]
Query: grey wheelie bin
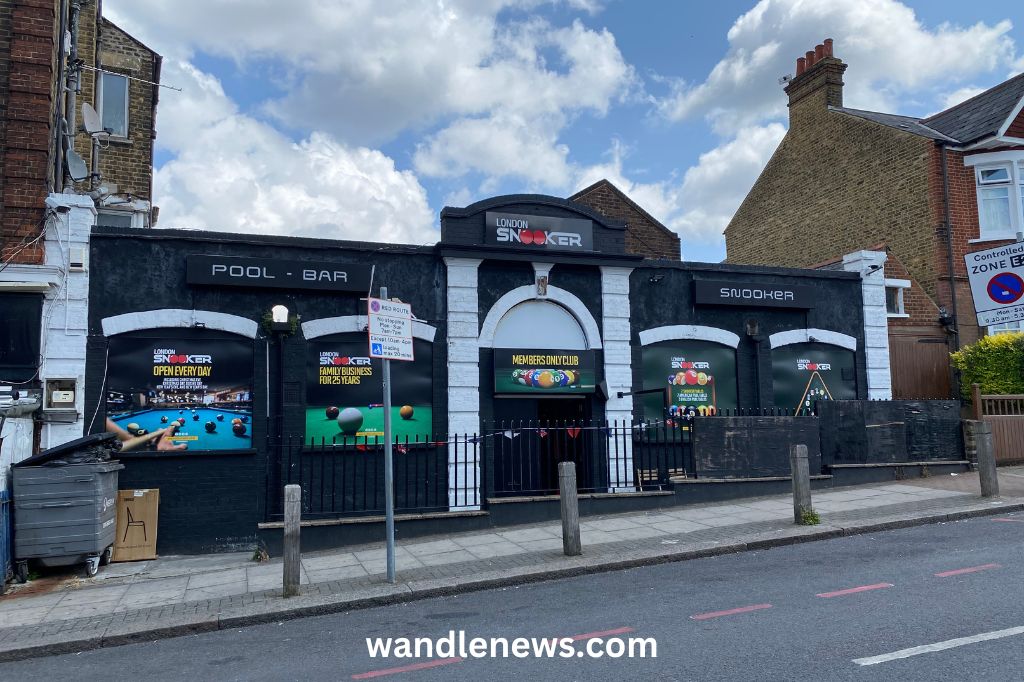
[65, 505]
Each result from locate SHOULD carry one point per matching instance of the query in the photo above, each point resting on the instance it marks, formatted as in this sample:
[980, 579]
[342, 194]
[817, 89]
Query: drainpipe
[73, 84]
[949, 249]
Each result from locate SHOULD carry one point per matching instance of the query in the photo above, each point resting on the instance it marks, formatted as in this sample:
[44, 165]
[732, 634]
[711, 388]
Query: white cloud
[889, 51]
[233, 173]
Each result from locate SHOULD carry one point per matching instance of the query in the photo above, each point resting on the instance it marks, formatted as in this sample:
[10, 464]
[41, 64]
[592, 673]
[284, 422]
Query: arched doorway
[543, 387]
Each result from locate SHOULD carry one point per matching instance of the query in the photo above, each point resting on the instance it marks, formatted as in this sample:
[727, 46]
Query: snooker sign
[997, 283]
[717, 292]
[276, 273]
[539, 232]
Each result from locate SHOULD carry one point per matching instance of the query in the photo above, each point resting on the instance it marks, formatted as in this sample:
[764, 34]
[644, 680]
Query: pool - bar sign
[539, 232]
[276, 273]
[747, 294]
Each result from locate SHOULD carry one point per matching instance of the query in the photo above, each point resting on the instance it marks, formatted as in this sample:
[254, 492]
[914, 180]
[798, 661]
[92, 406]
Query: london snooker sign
[539, 232]
[273, 273]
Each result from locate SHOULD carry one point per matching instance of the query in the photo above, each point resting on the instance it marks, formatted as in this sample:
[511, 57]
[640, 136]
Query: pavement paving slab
[177, 595]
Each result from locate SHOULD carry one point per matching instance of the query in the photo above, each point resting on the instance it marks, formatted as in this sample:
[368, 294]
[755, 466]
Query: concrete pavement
[176, 595]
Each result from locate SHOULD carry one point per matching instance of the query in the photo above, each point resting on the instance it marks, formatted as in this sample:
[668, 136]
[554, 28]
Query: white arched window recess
[692, 332]
[357, 323]
[539, 324]
[539, 336]
[788, 338]
[176, 317]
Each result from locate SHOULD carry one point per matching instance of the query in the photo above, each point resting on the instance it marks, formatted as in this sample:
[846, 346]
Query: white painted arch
[832, 338]
[178, 317]
[344, 324]
[694, 332]
[571, 303]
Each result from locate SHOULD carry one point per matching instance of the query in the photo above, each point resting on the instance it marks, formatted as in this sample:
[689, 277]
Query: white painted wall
[876, 322]
[463, 381]
[618, 369]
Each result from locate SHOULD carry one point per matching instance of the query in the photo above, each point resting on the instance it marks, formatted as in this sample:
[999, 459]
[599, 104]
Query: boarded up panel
[1007, 438]
[751, 447]
[886, 431]
[920, 367]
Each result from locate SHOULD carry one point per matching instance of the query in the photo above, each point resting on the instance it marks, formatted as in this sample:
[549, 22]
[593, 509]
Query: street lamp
[279, 319]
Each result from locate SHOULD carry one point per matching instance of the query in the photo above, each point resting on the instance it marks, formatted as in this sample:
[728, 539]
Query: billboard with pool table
[205, 385]
[345, 392]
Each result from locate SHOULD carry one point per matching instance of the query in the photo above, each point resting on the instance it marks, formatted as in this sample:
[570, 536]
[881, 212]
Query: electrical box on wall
[60, 395]
[76, 259]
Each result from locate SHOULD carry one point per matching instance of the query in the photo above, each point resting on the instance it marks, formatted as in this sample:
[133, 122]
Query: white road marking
[939, 646]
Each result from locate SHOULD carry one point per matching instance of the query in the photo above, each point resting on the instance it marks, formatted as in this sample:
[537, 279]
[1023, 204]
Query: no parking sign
[997, 283]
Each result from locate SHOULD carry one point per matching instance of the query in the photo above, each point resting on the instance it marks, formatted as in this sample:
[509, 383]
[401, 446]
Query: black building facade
[528, 311]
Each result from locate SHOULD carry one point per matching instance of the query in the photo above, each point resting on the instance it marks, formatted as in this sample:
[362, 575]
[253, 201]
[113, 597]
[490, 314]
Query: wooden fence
[1006, 415]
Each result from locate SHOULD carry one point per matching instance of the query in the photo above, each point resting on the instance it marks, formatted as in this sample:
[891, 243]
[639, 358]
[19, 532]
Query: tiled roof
[981, 115]
[967, 122]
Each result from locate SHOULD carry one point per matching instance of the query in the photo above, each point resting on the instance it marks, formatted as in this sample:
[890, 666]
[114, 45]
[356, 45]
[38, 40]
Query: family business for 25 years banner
[345, 392]
[205, 385]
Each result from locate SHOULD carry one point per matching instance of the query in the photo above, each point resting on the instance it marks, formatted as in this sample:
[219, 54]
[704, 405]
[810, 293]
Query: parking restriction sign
[997, 283]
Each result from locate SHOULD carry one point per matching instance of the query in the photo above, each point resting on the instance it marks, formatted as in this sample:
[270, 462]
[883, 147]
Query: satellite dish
[91, 120]
[76, 166]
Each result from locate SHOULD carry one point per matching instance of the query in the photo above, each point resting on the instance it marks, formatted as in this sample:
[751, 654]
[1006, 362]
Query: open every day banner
[806, 372]
[697, 377]
[543, 371]
[345, 392]
[205, 385]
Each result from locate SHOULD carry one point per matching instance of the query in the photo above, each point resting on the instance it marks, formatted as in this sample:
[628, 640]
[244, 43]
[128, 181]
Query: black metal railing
[345, 476]
[523, 456]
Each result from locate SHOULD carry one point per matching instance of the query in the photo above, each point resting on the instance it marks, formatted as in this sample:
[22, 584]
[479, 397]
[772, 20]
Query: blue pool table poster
[205, 385]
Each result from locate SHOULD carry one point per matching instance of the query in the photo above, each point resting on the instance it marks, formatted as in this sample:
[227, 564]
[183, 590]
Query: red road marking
[407, 668]
[1010, 520]
[603, 633]
[853, 590]
[730, 612]
[972, 569]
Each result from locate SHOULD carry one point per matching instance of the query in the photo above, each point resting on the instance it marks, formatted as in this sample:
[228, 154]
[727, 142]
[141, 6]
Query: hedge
[994, 362]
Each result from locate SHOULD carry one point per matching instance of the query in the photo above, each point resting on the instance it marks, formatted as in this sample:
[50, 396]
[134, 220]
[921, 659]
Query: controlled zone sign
[390, 328]
[997, 283]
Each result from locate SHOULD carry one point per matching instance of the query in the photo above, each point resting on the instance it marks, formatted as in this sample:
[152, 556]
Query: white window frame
[901, 285]
[1013, 162]
[1005, 328]
[103, 75]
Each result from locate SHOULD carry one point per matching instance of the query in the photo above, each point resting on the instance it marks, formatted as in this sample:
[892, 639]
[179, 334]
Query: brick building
[845, 179]
[50, 196]
[644, 234]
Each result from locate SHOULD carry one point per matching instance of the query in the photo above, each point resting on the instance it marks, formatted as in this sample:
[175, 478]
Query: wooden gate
[920, 367]
[1006, 415]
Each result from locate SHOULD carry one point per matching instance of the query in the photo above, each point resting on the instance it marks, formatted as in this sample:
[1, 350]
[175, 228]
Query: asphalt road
[809, 622]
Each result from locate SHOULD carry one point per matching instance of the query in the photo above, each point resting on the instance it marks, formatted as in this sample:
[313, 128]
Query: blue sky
[363, 119]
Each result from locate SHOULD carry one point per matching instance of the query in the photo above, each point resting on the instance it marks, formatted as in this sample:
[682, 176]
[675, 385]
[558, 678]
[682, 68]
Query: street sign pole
[389, 474]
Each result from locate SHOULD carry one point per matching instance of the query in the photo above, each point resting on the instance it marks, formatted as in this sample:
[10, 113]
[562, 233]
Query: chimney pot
[810, 58]
[801, 65]
[828, 47]
[819, 52]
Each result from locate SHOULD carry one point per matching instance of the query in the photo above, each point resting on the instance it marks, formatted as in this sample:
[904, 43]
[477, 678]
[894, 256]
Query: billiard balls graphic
[349, 421]
[181, 411]
[220, 417]
[245, 420]
[405, 412]
[332, 412]
[236, 420]
[210, 427]
[195, 417]
[180, 421]
[690, 377]
[163, 419]
[238, 429]
[702, 378]
[132, 428]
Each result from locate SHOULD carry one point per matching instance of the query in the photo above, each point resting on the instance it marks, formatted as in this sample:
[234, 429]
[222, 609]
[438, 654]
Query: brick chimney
[818, 82]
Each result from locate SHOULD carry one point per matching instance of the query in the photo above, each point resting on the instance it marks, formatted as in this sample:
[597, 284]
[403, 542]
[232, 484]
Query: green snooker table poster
[202, 385]
[699, 376]
[543, 371]
[806, 372]
[345, 392]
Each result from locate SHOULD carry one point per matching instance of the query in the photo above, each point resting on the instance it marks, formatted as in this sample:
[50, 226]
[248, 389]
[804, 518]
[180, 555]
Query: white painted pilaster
[876, 325]
[463, 383]
[618, 371]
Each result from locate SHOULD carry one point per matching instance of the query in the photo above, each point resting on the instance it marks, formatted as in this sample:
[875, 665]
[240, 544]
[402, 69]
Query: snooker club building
[537, 337]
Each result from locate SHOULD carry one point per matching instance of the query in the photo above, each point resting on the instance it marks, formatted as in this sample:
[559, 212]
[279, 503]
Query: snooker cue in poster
[344, 392]
[202, 385]
[806, 372]
[546, 371]
[700, 377]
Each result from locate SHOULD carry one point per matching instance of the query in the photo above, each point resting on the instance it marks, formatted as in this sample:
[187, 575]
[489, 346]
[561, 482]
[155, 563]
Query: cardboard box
[137, 513]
